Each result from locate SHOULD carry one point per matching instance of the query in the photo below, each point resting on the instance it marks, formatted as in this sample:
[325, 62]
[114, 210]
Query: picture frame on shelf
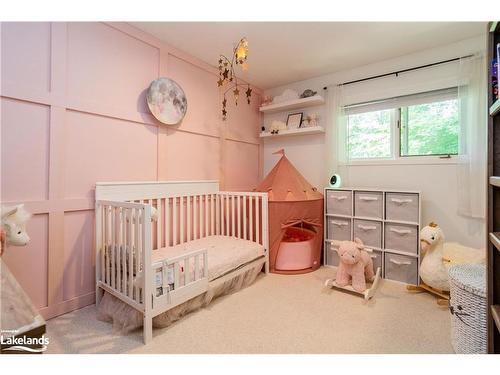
[294, 120]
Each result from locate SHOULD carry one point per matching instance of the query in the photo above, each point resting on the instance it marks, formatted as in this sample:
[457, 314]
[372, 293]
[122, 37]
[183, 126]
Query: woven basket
[468, 308]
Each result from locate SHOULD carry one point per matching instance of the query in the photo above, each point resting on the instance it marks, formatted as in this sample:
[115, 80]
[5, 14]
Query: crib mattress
[225, 254]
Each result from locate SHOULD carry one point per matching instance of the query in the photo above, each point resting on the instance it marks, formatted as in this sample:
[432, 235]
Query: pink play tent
[295, 219]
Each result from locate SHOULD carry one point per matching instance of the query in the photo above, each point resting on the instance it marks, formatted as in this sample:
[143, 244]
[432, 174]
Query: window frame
[395, 132]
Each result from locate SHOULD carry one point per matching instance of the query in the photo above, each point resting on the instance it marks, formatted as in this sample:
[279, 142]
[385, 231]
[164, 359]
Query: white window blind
[402, 101]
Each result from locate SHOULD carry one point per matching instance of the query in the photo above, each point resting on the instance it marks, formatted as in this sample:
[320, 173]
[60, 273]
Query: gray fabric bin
[339, 229]
[370, 232]
[377, 260]
[339, 202]
[368, 204]
[401, 207]
[401, 268]
[401, 237]
[332, 256]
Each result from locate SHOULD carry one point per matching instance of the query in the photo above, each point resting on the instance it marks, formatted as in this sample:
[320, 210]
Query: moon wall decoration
[167, 101]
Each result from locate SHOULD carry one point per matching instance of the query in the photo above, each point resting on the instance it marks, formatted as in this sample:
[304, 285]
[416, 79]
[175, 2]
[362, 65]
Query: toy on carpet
[13, 226]
[355, 267]
[438, 256]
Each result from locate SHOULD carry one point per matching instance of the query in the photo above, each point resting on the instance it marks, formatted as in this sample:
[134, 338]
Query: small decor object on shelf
[288, 94]
[167, 101]
[294, 120]
[13, 226]
[227, 77]
[308, 93]
[276, 126]
[312, 120]
[267, 100]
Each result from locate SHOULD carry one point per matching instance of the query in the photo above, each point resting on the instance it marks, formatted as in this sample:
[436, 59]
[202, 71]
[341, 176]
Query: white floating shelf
[289, 132]
[293, 104]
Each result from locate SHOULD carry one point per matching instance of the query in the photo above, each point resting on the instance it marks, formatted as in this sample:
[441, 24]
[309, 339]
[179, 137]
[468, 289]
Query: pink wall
[73, 112]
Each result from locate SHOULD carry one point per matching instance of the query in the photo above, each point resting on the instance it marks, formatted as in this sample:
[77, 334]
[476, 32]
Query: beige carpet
[278, 314]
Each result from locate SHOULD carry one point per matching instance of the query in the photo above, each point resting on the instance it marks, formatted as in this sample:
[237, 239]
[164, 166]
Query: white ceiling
[285, 52]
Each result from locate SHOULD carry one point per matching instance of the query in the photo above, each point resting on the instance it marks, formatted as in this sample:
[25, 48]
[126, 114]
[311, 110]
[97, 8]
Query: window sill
[410, 160]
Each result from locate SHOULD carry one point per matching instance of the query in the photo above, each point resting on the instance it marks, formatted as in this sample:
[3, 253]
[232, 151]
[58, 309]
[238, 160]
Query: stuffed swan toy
[438, 256]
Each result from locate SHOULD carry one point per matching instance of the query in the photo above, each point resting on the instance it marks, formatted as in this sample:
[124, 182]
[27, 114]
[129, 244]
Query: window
[430, 129]
[426, 124]
[369, 134]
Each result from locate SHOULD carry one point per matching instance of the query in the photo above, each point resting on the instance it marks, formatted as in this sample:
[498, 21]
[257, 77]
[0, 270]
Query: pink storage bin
[296, 250]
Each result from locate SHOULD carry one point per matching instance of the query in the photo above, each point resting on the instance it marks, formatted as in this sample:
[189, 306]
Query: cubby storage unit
[387, 221]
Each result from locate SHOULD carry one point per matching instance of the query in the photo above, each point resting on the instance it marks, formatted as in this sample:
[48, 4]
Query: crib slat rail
[118, 249]
[254, 219]
[249, 225]
[183, 276]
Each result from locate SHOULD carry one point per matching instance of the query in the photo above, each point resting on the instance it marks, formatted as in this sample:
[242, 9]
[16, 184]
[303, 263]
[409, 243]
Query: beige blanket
[225, 254]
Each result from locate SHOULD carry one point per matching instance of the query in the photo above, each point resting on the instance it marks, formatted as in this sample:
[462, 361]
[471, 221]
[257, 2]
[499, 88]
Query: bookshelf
[493, 203]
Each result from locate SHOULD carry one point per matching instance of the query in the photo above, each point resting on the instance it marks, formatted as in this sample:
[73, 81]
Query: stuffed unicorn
[13, 225]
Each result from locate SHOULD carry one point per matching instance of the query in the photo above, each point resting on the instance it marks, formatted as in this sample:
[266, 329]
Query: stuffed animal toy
[438, 256]
[312, 119]
[13, 225]
[276, 126]
[355, 263]
[266, 100]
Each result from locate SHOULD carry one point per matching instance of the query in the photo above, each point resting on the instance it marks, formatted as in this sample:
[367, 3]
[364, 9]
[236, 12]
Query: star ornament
[228, 80]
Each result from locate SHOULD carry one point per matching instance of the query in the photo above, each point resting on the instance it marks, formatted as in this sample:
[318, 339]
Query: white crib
[126, 239]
